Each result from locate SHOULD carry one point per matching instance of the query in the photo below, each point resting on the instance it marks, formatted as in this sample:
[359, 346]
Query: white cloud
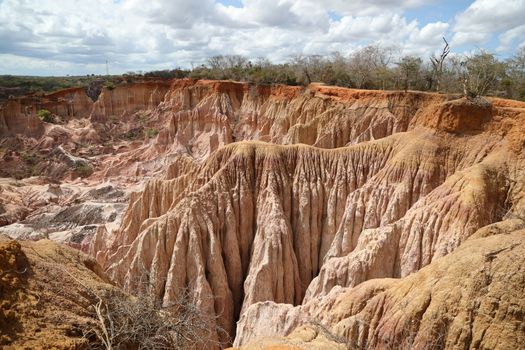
[491, 15]
[370, 7]
[388, 27]
[483, 18]
[508, 37]
[430, 34]
[78, 36]
[174, 13]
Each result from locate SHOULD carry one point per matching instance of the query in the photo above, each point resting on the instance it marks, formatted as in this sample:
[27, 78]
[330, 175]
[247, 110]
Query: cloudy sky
[59, 37]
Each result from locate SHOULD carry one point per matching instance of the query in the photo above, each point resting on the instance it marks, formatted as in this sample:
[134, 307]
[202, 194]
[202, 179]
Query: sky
[77, 37]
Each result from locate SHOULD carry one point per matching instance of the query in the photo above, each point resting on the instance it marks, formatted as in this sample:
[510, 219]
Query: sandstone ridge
[471, 297]
[392, 181]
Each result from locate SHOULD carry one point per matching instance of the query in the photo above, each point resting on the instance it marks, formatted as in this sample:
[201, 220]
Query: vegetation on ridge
[376, 67]
[372, 67]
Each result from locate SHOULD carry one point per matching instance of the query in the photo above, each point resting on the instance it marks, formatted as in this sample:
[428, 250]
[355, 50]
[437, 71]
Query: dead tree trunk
[437, 64]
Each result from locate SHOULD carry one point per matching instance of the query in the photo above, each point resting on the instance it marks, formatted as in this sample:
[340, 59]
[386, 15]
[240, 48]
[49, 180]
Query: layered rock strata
[386, 190]
[471, 298]
[122, 100]
[18, 116]
[270, 198]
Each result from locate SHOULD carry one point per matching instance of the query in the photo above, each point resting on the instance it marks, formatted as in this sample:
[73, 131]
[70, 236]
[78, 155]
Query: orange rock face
[68, 103]
[19, 115]
[128, 99]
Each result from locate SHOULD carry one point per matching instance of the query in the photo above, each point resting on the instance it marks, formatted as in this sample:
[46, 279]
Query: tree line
[375, 67]
[371, 67]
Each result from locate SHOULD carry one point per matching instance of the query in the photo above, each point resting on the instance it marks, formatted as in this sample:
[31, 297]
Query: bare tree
[124, 322]
[228, 66]
[368, 64]
[217, 62]
[235, 61]
[307, 68]
[437, 65]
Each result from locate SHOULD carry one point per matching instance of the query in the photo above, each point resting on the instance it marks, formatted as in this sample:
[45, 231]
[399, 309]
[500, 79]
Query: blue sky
[435, 11]
[236, 3]
[446, 11]
[51, 37]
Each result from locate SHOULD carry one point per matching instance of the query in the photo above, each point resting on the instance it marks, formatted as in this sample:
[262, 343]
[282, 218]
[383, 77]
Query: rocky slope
[393, 182]
[43, 292]
[58, 190]
[471, 298]
[269, 202]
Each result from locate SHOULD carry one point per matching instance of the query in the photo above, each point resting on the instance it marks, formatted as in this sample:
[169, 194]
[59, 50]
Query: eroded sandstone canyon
[302, 217]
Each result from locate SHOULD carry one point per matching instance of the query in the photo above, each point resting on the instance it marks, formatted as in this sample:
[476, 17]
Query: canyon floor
[297, 217]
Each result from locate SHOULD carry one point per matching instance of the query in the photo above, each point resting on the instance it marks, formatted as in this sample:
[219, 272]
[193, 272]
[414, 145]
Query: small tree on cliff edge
[409, 67]
[480, 74]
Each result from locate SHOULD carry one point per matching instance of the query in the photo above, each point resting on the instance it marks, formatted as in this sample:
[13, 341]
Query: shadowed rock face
[19, 115]
[394, 181]
[128, 99]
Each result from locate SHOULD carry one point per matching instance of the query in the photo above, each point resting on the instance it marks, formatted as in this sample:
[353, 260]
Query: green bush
[45, 116]
[35, 170]
[29, 157]
[83, 169]
[132, 134]
[151, 132]
[109, 85]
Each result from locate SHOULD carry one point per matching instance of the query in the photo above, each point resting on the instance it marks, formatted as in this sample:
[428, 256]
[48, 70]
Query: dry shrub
[122, 321]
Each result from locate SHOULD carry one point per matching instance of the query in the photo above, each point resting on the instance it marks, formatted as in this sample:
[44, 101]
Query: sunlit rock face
[276, 199]
[471, 298]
